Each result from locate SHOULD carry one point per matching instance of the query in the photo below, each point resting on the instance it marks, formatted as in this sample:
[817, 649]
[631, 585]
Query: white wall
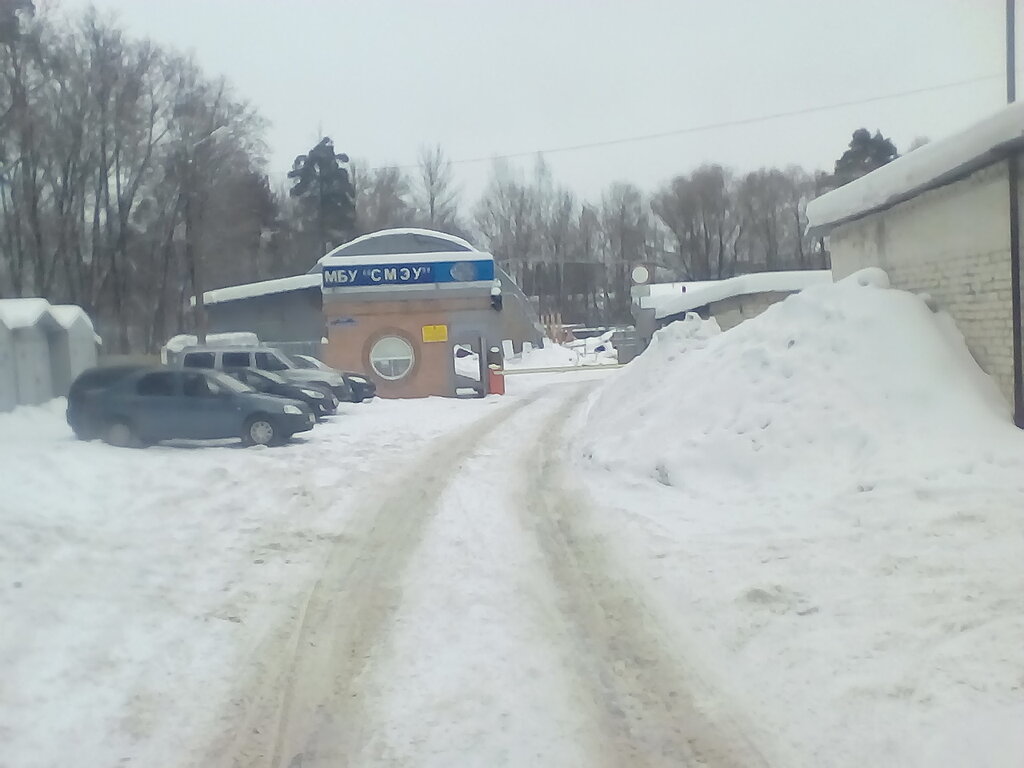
[72, 350]
[8, 378]
[732, 311]
[954, 244]
[32, 365]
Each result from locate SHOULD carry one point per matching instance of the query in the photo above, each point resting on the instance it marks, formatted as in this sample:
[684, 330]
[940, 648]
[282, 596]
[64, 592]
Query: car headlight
[358, 379]
[294, 410]
[314, 393]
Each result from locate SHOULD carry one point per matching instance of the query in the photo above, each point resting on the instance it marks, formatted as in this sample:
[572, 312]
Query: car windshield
[230, 383]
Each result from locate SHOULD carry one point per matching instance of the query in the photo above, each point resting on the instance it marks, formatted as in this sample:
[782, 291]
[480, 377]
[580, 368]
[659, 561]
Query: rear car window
[199, 360]
[268, 361]
[156, 384]
[236, 359]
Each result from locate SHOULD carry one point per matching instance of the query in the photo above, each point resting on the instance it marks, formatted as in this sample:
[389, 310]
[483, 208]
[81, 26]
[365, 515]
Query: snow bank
[835, 385]
[824, 505]
[574, 354]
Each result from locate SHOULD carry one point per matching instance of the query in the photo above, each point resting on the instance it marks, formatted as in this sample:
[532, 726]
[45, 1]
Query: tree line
[130, 180]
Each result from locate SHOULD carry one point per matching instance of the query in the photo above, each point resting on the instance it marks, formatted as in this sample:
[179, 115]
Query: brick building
[937, 220]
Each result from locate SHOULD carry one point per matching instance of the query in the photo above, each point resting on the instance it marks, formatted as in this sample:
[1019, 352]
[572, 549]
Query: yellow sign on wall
[435, 333]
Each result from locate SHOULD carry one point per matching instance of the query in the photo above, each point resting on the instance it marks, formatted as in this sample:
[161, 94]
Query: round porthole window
[392, 358]
[463, 271]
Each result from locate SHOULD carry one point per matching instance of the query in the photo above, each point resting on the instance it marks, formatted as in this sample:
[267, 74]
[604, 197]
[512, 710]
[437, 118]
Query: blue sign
[340, 276]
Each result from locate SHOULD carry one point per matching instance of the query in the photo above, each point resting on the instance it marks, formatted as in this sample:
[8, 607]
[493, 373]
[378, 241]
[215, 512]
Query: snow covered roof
[232, 339]
[69, 314]
[933, 165]
[403, 258]
[433, 233]
[262, 288]
[23, 313]
[741, 285]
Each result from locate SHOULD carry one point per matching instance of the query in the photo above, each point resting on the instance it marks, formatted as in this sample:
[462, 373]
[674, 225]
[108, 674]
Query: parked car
[154, 404]
[263, 358]
[81, 414]
[362, 388]
[321, 401]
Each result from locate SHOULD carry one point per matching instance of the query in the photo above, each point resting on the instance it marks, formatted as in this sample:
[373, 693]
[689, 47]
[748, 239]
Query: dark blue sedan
[150, 405]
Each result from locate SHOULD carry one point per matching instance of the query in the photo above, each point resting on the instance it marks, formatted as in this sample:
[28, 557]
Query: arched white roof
[406, 231]
[458, 244]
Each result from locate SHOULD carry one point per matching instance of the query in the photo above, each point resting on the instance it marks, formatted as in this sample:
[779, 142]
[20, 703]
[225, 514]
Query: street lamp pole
[1013, 171]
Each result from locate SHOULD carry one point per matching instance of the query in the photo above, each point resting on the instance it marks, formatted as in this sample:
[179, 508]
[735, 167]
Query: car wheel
[261, 430]
[121, 435]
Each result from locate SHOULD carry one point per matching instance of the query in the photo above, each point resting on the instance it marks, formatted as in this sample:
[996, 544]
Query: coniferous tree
[866, 153]
[322, 185]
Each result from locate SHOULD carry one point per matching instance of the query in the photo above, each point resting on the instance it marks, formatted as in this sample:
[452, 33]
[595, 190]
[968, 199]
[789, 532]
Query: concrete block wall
[952, 243]
[732, 311]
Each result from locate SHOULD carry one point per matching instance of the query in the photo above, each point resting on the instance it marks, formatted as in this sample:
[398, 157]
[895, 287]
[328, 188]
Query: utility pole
[1013, 171]
[193, 209]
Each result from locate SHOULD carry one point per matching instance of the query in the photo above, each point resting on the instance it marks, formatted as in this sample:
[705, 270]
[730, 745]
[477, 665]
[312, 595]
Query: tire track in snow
[643, 695]
[307, 705]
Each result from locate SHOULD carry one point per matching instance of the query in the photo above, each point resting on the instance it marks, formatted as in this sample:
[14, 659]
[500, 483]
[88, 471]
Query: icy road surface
[407, 586]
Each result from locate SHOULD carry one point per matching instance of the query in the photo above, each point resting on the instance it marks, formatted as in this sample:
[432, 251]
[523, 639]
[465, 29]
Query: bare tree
[382, 199]
[435, 197]
[99, 152]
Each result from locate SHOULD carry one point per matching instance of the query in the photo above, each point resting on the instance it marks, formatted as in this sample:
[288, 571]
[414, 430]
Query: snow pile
[574, 354]
[551, 355]
[840, 386]
[597, 350]
[824, 503]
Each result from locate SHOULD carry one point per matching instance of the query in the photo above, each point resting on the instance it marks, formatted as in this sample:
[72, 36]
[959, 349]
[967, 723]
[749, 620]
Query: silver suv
[265, 359]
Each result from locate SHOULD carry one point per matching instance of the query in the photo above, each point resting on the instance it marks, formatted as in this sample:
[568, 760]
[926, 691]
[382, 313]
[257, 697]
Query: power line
[708, 126]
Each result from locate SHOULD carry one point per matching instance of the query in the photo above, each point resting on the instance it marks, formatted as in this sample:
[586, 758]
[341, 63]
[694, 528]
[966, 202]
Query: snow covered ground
[582, 352]
[139, 587]
[796, 543]
[825, 504]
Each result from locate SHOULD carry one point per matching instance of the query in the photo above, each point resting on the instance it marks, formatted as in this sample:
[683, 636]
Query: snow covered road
[464, 623]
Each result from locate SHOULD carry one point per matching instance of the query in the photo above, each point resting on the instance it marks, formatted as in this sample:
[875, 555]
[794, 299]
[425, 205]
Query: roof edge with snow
[934, 165]
[25, 313]
[741, 285]
[261, 288]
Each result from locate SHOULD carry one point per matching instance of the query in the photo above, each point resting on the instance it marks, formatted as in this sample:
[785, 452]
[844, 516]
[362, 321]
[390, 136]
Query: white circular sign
[641, 274]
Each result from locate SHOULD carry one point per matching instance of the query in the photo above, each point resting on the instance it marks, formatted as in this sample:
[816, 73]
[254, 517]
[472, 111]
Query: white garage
[42, 349]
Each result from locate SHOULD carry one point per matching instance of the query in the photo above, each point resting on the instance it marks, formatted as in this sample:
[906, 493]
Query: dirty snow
[825, 503]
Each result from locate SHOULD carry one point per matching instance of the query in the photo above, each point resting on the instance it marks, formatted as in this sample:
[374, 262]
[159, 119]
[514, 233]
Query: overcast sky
[486, 78]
